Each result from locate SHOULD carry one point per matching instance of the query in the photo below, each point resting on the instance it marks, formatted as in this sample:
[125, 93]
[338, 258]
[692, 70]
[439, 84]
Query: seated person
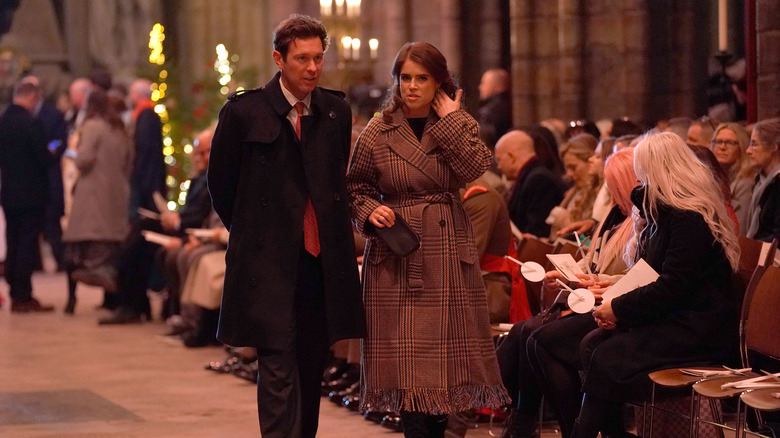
[764, 213]
[688, 316]
[605, 257]
[536, 188]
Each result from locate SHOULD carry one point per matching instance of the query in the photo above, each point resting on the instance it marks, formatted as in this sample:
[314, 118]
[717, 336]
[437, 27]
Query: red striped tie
[311, 235]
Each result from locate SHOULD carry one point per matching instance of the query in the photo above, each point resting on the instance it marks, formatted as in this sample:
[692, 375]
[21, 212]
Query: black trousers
[288, 383]
[134, 265]
[21, 236]
[516, 372]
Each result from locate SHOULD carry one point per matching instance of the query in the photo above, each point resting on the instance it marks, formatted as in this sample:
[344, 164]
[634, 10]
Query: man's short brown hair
[298, 26]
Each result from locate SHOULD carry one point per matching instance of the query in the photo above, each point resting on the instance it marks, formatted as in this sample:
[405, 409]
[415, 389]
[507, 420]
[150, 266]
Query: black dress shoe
[337, 396]
[393, 421]
[30, 306]
[121, 316]
[246, 371]
[376, 416]
[336, 368]
[351, 402]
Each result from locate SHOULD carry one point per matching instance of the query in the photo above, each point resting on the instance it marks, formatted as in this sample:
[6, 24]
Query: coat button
[361, 202]
[259, 243]
[263, 201]
[262, 160]
[337, 197]
[442, 223]
[253, 282]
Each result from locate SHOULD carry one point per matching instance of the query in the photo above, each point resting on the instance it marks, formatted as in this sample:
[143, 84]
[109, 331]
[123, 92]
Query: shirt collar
[292, 99]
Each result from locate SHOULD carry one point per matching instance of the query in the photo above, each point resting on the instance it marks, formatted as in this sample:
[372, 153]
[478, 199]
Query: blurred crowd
[86, 174]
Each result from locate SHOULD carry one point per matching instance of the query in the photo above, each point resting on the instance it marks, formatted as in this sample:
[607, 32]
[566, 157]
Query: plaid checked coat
[428, 346]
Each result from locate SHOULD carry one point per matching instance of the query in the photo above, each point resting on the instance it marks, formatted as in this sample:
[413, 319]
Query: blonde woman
[686, 317]
[729, 145]
[577, 204]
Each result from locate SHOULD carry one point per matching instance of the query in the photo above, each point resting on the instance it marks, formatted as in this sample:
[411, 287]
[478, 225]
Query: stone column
[768, 58]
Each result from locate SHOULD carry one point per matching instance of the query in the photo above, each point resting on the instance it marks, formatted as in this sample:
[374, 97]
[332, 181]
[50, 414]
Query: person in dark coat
[536, 188]
[495, 112]
[764, 213]
[56, 132]
[688, 315]
[277, 180]
[24, 193]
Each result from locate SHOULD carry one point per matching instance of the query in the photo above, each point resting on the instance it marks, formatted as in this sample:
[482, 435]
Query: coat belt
[417, 205]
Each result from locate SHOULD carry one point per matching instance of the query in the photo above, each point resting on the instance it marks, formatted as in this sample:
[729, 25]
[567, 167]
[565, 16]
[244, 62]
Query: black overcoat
[259, 177]
[687, 317]
[24, 161]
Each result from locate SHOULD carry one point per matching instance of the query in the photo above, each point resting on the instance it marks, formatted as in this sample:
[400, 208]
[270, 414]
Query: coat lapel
[407, 150]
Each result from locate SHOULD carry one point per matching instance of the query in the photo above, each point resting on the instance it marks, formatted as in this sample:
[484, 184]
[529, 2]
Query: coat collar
[280, 104]
[394, 119]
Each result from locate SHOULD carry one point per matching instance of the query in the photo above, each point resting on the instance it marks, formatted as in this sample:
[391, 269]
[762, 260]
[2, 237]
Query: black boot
[519, 425]
[584, 430]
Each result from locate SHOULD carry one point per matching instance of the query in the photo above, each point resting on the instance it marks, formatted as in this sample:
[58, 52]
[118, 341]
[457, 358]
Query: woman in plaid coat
[428, 349]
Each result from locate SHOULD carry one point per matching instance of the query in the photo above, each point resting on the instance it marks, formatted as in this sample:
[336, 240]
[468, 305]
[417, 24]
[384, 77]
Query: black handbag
[400, 238]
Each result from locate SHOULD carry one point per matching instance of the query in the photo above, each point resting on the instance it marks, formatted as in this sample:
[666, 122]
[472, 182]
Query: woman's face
[418, 89]
[761, 154]
[576, 169]
[725, 147]
[595, 163]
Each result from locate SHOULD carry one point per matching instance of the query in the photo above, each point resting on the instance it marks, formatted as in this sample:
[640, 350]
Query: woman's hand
[587, 280]
[604, 316]
[599, 288]
[443, 105]
[382, 216]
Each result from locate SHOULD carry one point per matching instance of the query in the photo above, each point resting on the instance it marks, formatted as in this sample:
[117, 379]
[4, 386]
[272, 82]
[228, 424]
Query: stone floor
[64, 376]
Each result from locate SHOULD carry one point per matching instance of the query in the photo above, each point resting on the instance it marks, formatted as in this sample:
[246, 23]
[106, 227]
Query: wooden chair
[762, 334]
[532, 249]
[755, 256]
[760, 337]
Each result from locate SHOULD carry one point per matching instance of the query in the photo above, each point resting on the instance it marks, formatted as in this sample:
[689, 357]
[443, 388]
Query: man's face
[200, 155]
[695, 136]
[302, 68]
[486, 86]
[507, 163]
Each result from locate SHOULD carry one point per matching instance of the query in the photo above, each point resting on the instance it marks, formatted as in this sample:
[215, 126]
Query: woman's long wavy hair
[620, 179]
[742, 168]
[431, 59]
[673, 176]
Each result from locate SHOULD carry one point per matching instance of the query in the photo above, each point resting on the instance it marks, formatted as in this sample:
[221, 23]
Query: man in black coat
[24, 193]
[536, 189]
[495, 112]
[278, 166]
[56, 132]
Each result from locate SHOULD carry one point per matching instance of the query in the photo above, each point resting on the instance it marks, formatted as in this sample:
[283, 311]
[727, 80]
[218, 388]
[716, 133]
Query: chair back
[532, 249]
[752, 254]
[762, 326]
[565, 246]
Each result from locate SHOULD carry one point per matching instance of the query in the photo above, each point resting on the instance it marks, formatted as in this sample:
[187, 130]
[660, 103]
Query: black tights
[598, 415]
[560, 382]
[421, 425]
[515, 370]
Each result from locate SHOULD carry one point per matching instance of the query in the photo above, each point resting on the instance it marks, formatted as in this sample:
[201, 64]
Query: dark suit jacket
[149, 171]
[55, 129]
[197, 206]
[495, 118]
[536, 191]
[260, 176]
[24, 161]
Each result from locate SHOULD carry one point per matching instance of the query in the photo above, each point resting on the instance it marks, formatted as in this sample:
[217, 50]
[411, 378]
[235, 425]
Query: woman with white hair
[688, 315]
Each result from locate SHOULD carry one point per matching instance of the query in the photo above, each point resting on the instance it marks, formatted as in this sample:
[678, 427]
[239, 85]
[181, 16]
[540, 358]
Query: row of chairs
[759, 338]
